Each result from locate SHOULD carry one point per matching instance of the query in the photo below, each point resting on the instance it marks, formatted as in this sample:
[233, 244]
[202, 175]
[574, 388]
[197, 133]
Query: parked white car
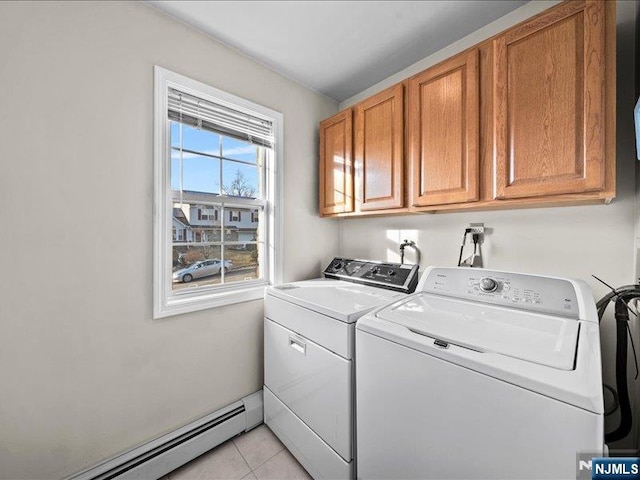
[203, 268]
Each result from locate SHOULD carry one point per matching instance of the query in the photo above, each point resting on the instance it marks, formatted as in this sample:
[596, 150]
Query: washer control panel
[392, 276]
[514, 290]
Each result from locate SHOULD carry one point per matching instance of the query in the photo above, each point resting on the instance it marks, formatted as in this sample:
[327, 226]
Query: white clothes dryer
[309, 336]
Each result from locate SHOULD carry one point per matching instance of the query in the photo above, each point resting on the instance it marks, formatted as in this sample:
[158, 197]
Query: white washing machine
[480, 374]
[309, 336]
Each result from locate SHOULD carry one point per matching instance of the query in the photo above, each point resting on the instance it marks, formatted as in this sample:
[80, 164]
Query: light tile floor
[254, 455]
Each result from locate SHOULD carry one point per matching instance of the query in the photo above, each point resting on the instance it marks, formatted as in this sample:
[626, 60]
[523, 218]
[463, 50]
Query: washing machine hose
[621, 296]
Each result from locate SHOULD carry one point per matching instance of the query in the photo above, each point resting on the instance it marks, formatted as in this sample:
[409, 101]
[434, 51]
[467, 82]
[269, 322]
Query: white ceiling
[338, 48]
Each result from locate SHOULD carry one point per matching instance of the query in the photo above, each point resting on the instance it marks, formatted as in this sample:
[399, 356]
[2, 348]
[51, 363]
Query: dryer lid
[344, 301]
[543, 339]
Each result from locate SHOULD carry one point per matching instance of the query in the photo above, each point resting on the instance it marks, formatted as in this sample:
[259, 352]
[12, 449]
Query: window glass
[240, 180]
[197, 235]
[192, 266]
[198, 140]
[239, 150]
[199, 173]
[245, 260]
[201, 223]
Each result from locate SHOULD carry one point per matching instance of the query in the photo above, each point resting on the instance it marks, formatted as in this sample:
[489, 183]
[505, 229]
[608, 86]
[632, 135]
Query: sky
[202, 174]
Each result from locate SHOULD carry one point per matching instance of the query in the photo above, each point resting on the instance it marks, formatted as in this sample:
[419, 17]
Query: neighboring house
[195, 222]
[180, 226]
[245, 220]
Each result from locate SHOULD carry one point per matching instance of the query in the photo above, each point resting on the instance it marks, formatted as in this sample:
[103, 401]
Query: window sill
[179, 304]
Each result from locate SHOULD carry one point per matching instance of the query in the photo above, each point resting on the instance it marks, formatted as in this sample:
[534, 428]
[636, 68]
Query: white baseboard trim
[158, 457]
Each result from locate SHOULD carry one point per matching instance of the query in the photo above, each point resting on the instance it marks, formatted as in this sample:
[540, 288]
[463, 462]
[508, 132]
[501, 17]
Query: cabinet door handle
[297, 344]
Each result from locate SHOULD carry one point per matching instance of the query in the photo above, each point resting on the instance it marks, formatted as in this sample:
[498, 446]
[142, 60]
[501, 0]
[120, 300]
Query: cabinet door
[549, 104]
[336, 168]
[379, 141]
[443, 132]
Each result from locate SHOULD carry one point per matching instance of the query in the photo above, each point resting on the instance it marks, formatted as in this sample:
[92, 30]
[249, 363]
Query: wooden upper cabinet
[548, 104]
[379, 142]
[336, 168]
[443, 132]
[524, 118]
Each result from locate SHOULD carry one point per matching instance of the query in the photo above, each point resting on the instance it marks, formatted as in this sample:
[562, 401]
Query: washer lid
[344, 301]
[532, 337]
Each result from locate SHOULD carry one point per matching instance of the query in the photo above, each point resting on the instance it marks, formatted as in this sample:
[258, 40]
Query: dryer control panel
[392, 276]
[555, 296]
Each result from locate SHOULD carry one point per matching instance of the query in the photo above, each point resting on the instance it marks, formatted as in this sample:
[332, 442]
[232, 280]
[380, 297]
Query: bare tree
[239, 187]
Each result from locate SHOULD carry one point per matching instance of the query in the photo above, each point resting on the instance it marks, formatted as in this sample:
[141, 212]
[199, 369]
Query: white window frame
[166, 302]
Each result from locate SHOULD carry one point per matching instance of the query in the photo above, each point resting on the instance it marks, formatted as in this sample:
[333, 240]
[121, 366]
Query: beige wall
[565, 241]
[84, 370]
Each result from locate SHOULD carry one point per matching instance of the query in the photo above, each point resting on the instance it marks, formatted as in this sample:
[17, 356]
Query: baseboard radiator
[163, 455]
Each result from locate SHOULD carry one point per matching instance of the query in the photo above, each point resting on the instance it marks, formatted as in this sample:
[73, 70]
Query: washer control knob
[488, 285]
[392, 273]
[337, 265]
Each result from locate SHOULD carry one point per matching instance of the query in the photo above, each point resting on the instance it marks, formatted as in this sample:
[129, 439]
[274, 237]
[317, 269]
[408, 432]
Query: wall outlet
[476, 227]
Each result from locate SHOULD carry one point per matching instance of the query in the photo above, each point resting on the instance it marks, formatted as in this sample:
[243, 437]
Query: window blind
[201, 113]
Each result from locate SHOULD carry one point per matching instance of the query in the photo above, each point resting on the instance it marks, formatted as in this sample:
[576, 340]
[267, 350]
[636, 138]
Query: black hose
[622, 317]
[614, 403]
[622, 297]
[602, 304]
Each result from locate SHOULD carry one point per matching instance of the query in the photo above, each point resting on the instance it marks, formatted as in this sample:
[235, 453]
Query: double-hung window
[216, 216]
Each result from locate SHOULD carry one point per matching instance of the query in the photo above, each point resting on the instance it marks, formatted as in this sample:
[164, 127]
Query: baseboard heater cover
[164, 454]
